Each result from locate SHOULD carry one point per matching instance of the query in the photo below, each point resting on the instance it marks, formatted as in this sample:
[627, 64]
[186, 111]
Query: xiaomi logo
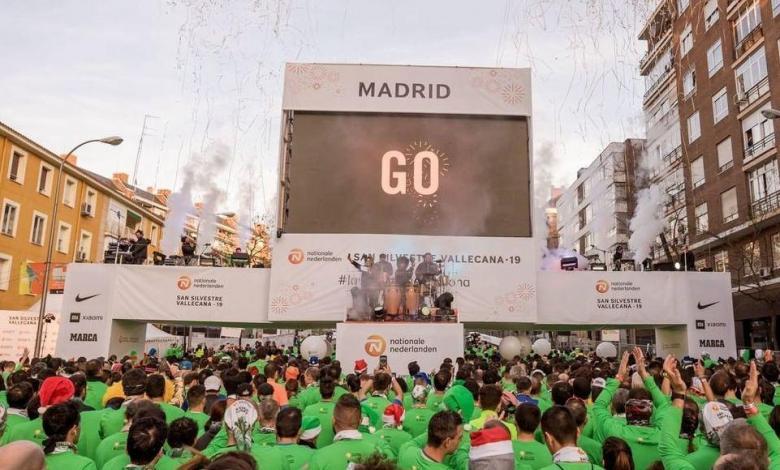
[375, 345]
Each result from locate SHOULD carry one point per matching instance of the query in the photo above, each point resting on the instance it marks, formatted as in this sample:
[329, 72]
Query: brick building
[712, 73]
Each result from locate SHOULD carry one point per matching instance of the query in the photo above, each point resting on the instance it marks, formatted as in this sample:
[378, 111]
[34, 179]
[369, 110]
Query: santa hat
[491, 446]
[55, 390]
[394, 415]
[310, 428]
[459, 399]
[360, 366]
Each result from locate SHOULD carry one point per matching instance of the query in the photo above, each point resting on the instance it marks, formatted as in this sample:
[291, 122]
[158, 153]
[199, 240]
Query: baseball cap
[212, 383]
[598, 382]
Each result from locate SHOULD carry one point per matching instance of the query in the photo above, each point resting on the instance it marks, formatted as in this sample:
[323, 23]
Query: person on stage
[383, 269]
[370, 280]
[188, 247]
[404, 271]
[427, 270]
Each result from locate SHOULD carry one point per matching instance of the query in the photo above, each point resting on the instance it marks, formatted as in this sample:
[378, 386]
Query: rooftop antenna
[140, 149]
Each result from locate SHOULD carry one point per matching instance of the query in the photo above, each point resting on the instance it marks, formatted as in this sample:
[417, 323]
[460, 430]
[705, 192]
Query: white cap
[212, 383]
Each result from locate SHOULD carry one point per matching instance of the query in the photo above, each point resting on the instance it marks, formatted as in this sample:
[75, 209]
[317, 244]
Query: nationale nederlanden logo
[184, 282]
[602, 286]
[295, 256]
[375, 345]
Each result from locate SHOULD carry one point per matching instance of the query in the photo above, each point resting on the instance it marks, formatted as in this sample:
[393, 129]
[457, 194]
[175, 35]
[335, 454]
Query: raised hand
[639, 356]
[623, 368]
[750, 392]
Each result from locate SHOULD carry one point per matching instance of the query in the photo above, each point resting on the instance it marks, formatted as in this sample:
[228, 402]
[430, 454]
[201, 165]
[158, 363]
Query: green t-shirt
[592, 448]
[12, 420]
[324, 412]
[117, 463]
[269, 457]
[112, 421]
[69, 460]
[297, 456]
[171, 412]
[309, 396]
[413, 458]
[95, 391]
[393, 437]
[378, 403]
[89, 435]
[200, 419]
[4, 398]
[264, 437]
[110, 447]
[531, 454]
[572, 466]
[340, 454]
[173, 459]
[29, 431]
[416, 420]
[434, 400]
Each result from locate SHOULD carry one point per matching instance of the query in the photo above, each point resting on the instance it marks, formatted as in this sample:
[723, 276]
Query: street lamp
[771, 113]
[112, 140]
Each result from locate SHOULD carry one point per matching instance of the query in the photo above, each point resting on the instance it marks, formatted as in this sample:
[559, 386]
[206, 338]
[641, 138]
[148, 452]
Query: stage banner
[191, 294]
[402, 343]
[85, 323]
[705, 300]
[407, 89]
[607, 298]
[18, 328]
[321, 278]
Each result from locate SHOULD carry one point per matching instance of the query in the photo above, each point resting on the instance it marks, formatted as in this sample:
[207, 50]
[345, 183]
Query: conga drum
[393, 300]
[412, 297]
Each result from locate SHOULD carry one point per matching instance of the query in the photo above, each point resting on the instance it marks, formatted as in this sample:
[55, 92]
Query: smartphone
[383, 361]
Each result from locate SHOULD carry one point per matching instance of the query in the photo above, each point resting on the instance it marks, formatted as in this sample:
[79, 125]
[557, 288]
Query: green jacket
[309, 396]
[643, 440]
[89, 435]
[69, 460]
[269, 457]
[297, 456]
[531, 454]
[340, 454]
[416, 420]
[592, 448]
[324, 412]
[110, 447]
[434, 401]
[458, 460]
[95, 391]
[393, 437]
[29, 431]
[413, 458]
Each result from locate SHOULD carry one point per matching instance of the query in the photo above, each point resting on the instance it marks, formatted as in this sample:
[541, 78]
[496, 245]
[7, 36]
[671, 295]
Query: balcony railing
[759, 147]
[765, 205]
[752, 94]
[750, 38]
[672, 157]
[657, 84]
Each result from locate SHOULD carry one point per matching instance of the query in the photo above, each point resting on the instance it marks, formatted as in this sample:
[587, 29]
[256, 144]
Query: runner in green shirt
[391, 432]
[445, 431]
[265, 434]
[53, 391]
[181, 438]
[580, 413]
[155, 391]
[115, 444]
[440, 382]
[417, 417]
[378, 400]
[61, 424]
[311, 393]
[16, 407]
[529, 453]
[560, 434]
[196, 399]
[144, 444]
[489, 400]
[324, 412]
[134, 387]
[288, 431]
[95, 387]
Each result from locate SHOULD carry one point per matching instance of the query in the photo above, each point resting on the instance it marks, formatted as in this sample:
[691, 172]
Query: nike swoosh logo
[82, 299]
[702, 307]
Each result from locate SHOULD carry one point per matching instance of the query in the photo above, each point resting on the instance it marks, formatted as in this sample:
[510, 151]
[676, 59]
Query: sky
[210, 72]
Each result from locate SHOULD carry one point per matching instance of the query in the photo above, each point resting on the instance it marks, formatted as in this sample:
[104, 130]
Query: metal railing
[750, 38]
[672, 157]
[766, 205]
[759, 147]
[752, 94]
[656, 84]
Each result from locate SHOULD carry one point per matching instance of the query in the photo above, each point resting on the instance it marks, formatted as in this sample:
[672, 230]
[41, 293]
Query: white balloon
[542, 347]
[759, 354]
[315, 346]
[606, 349]
[512, 346]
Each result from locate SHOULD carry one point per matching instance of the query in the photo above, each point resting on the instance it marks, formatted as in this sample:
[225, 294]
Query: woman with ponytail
[617, 455]
[61, 425]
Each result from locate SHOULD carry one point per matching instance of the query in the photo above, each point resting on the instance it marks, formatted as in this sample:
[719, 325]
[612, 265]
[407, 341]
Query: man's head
[288, 422]
[413, 368]
[428, 258]
[92, 369]
[561, 392]
[382, 382]
[527, 418]
[134, 383]
[196, 395]
[524, 384]
[721, 383]
[489, 397]
[581, 388]
[19, 395]
[182, 432]
[578, 410]
[346, 414]
[740, 438]
[145, 440]
[155, 386]
[327, 388]
[441, 380]
[619, 401]
[445, 430]
[559, 428]
[60, 423]
[271, 371]
[22, 455]
[267, 411]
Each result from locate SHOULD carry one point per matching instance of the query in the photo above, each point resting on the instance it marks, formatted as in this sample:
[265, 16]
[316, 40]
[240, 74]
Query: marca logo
[712, 343]
[602, 286]
[184, 282]
[295, 256]
[81, 337]
[375, 345]
[700, 325]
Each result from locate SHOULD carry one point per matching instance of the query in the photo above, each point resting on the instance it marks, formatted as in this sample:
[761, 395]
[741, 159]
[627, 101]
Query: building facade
[593, 214]
[711, 68]
[85, 223]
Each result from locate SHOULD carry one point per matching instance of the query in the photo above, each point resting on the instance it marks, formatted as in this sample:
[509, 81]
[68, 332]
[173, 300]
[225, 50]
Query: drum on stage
[392, 299]
[412, 298]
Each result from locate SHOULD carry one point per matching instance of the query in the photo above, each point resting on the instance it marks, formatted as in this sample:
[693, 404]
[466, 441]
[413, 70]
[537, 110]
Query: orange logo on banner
[375, 345]
[295, 256]
[184, 282]
[602, 286]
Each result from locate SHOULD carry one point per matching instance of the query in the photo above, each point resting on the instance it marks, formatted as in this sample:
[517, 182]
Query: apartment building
[28, 173]
[593, 214]
[711, 68]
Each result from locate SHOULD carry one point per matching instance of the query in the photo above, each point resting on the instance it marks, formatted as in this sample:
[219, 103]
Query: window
[682, 5]
[752, 71]
[689, 83]
[728, 205]
[10, 217]
[63, 237]
[763, 181]
[751, 258]
[775, 7]
[18, 166]
[153, 235]
[776, 250]
[711, 14]
[747, 22]
[715, 58]
[5, 270]
[720, 105]
[697, 172]
[702, 224]
[69, 192]
[90, 203]
[85, 246]
[44, 179]
[758, 133]
[721, 261]
[694, 128]
[38, 231]
[686, 40]
[725, 155]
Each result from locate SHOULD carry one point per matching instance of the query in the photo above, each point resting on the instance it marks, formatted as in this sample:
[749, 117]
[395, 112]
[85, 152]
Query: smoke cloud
[647, 223]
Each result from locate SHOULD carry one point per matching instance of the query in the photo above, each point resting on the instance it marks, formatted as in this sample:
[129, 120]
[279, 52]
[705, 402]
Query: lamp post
[113, 140]
[771, 113]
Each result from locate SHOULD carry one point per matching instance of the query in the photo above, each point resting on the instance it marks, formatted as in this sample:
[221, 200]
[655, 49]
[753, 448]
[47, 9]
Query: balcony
[673, 157]
[656, 86]
[748, 41]
[765, 205]
[752, 94]
[759, 147]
